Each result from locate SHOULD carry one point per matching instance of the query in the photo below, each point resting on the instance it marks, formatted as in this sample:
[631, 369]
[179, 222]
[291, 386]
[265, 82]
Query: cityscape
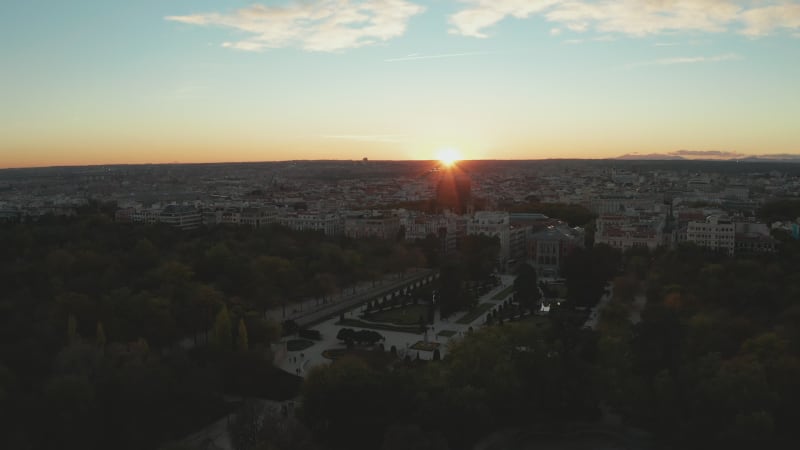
[303, 265]
[635, 203]
[400, 225]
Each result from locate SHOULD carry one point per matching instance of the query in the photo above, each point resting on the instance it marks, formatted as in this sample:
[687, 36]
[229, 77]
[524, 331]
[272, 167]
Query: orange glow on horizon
[448, 156]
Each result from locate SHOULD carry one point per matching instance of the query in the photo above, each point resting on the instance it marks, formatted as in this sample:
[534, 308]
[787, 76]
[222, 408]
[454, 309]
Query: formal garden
[475, 313]
[377, 358]
[407, 310]
[503, 294]
[403, 315]
[296, 345]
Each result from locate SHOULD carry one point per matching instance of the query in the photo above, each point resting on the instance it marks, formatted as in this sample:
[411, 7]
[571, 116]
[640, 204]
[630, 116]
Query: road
[594, 316]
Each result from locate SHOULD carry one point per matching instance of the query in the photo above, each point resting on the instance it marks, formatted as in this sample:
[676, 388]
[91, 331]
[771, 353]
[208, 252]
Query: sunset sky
[99, 81]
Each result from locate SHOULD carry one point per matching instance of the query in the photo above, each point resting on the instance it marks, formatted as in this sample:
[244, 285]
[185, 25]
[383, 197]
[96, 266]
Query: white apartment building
[181, 216]
[149, 215]
[619, 204]
[493, 223]
[328, 223]
[627, 231]
[383, 226]
[258, 216]
[716, 233]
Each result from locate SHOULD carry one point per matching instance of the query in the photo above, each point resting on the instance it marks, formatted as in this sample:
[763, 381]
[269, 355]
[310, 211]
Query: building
[548, 248]
[379, 225]
[184, 217]
[124, 214]
[211, 217]
[716, 233]
[753, 238]
[625, 231]
[328, 223]
[619, 204]
[518, 243]
[532, 221]
[9, 216]
[147, 215]
[258, 216]
[493, 224]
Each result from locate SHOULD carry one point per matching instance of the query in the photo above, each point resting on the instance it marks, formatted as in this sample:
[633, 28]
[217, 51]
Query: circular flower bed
[425, 346]
[295, 345]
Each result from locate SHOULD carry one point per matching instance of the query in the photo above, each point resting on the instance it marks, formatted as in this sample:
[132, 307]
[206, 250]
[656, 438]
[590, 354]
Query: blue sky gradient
[199, 80]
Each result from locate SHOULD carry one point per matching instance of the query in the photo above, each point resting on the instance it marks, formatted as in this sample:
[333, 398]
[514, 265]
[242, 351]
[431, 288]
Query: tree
[274, 279]
[480, 255]
[450, 295]
[346, 403]
[625, 288]
[367, 337]
[199, 312]
[246, 425]
[345, 334]
[144, 255]
[222, 329]
[412, 437]
[525, 286]
[100, 335]
[587, 271]
[242, 341]
[72, 330]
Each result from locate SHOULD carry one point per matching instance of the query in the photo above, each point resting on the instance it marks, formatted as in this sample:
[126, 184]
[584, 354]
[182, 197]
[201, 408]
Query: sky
[156, 81]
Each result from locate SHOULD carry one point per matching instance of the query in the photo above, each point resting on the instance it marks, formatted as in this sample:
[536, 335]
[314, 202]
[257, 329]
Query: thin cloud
[685, 60]
[778, 156]
[482, 14]
[634, 17]
[603, 38]
[417, 56]
[763, 21]
[385, 138]
[707, 153]
[319, 25]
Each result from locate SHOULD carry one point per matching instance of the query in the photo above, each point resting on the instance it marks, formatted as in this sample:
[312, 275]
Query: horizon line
[627, 157]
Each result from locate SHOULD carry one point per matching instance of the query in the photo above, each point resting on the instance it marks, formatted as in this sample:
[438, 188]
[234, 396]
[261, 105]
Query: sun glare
[448, 156]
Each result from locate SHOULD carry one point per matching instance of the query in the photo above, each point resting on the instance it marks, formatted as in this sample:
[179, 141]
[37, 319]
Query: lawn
[536, 320]
[375, 358]
[504, 293]
[447, 333]
[407, 315]
[475, 313]
[556, 290]
[295, 345]
[379, 326]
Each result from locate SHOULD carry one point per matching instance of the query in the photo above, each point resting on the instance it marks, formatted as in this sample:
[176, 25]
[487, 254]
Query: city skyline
[205, 81]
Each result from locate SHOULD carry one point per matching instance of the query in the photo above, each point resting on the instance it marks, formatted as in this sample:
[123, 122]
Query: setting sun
[448, 156]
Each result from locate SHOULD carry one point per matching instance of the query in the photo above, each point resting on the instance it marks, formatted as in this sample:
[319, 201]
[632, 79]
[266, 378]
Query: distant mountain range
[688, 155]
[650, 157]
